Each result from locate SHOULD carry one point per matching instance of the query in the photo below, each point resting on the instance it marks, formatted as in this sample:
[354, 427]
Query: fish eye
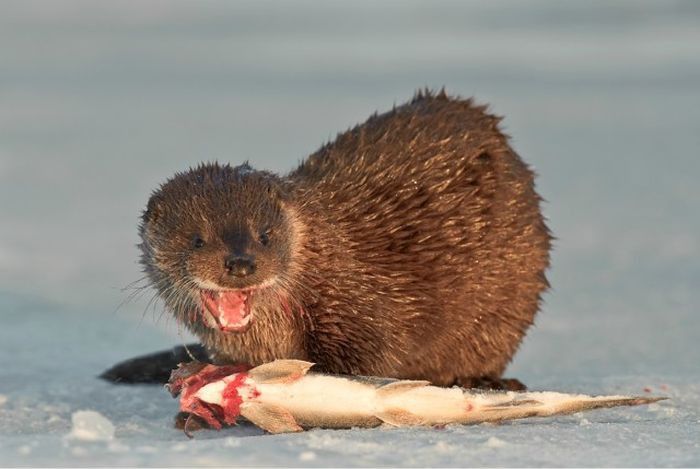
[198, 242]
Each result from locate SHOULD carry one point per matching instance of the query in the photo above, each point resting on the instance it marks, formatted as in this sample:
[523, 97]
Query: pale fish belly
[323, 401]
[426, 405]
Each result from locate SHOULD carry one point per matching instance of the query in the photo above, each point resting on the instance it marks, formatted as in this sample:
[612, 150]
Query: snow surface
[100, 101]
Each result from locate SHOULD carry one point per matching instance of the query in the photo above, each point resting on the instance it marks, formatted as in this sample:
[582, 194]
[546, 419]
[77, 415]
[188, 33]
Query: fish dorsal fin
[271, 418]
[280, 371]
[398, 387]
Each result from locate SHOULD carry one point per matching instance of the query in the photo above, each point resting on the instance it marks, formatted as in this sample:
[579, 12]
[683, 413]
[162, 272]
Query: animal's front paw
[489, 383]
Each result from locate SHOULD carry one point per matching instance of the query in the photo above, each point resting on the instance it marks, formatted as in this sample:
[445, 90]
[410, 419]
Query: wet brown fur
[413, 246]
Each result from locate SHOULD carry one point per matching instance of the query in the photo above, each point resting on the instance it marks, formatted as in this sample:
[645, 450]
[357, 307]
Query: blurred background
[102, 101]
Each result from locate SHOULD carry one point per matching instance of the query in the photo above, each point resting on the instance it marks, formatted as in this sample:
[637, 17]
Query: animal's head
[213, 238]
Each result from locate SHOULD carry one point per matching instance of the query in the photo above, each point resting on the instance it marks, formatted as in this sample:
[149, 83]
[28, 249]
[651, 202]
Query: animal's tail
[154, 368]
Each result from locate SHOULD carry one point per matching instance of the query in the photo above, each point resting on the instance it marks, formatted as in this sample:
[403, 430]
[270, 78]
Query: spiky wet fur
[417, 250]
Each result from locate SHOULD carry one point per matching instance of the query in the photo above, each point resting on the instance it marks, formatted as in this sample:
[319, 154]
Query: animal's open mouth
[229, 309]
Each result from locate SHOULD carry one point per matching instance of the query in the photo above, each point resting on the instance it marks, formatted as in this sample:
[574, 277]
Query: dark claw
[186, 429]
[189, 423]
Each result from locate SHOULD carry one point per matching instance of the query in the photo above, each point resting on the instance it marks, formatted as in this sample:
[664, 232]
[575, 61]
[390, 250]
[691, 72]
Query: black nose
[240, 266]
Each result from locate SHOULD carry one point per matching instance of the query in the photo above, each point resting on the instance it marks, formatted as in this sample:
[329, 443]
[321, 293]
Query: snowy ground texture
[100, 101]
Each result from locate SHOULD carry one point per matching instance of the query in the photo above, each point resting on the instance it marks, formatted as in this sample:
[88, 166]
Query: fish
[284, 396]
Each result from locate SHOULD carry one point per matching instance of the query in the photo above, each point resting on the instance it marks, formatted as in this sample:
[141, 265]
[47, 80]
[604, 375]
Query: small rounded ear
[154, 209]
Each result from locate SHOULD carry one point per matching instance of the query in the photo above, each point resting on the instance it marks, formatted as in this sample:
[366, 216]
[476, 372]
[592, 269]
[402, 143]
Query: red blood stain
[206, 412]
[232, 399]
[186, 382]
[289, 306]
[647, 389]
[469, 407]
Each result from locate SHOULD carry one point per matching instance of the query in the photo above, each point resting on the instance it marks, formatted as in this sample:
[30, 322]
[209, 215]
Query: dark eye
[198, 242]
[265, 237]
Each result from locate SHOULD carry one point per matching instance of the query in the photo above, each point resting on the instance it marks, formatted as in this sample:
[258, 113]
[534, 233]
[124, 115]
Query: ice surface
[495, 442]
[89, 425]
[102, 100]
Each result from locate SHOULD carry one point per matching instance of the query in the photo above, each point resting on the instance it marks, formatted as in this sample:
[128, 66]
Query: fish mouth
[228, 310]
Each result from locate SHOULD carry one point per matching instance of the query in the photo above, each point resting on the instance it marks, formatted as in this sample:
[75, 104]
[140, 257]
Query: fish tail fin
[549, 404]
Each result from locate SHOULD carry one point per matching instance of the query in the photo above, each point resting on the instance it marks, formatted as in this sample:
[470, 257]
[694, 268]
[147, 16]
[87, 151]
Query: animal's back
[438, 225]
